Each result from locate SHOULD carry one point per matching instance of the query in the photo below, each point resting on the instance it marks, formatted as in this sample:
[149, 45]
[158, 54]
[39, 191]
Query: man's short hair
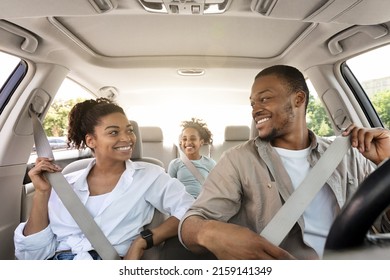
[293, 78]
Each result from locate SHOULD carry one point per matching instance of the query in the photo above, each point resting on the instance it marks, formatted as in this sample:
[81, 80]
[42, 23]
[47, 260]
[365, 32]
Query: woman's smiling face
[113, 138]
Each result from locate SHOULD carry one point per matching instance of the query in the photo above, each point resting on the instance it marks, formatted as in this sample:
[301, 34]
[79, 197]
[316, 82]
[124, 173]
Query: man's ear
[300, 99]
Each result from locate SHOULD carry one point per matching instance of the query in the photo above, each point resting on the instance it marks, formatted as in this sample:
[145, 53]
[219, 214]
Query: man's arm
[372, 143]
[227, 241]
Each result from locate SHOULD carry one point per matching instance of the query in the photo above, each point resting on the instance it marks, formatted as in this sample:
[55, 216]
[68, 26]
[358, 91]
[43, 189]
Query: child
[194, 134]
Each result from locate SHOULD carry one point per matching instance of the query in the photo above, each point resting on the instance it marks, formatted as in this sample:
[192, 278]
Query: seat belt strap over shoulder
[191, 167]
[284, 220]
[69, 198]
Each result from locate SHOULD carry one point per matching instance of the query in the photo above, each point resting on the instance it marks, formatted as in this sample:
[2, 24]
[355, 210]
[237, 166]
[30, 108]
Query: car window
[7, 65]
[316, 117]
[217, 117]
[372, 71]
[56, 119]
[55, 123]
[12, 71]
[170, 116]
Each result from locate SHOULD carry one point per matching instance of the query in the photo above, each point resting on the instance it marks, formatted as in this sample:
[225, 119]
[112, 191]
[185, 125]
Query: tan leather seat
[153, 145]
[234, 135]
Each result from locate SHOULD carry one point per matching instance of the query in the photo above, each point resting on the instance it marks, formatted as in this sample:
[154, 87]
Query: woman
[120, 194]
[194, 134]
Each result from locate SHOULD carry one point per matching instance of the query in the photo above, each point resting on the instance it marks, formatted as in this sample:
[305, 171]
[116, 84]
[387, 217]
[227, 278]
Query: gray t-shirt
[177, 169]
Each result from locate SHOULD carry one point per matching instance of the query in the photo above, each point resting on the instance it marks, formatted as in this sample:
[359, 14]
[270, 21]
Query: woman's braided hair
[85, 115]
[201, 127]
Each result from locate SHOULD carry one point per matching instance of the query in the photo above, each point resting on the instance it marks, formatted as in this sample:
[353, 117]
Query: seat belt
[69, 198]
[191, 167]
[281, 224]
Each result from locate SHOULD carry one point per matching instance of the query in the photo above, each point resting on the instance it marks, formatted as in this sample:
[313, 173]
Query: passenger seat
[234, 135]
[154, 146]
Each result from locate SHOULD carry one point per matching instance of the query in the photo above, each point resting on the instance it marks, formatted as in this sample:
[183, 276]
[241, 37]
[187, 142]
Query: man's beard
[278, 131]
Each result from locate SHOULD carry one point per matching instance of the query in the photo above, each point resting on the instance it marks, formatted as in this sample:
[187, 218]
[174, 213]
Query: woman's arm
[34, 239]
[39, 217]
[161, 233]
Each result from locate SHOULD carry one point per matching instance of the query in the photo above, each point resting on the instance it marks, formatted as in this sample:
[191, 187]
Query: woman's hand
[165, 230]
[36, 173]
[39, 218]
[136, 250]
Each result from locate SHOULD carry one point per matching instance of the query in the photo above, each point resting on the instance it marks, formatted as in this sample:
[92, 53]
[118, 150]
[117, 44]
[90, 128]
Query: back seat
[154, 146]
[234, 135]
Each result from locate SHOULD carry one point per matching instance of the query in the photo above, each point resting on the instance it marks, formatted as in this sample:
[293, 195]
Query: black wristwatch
[147, 234]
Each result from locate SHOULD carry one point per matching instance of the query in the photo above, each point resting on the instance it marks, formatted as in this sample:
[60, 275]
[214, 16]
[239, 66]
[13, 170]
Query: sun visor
[345, 11]
[41, 8]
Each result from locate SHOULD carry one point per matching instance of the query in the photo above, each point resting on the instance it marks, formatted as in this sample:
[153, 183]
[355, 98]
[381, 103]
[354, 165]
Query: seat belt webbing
[191, 166]
[69, 198]
[280, 225]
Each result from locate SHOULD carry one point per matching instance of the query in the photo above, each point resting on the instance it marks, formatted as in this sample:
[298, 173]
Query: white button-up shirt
[142, 188]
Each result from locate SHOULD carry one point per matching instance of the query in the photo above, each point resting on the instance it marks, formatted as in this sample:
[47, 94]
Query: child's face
[191, 141]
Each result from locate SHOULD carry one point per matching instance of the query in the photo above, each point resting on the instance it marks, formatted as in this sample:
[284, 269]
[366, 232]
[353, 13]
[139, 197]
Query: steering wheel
[355, 219]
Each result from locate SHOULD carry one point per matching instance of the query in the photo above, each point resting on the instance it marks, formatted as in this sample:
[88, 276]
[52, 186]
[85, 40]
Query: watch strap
[147, 234]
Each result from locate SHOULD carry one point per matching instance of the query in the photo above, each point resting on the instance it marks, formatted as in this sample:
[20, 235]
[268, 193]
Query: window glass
[316, 117]
[372, 71]
[216, 117]
[7, 64]
[56, 119]
[12, 71]
[55, 123]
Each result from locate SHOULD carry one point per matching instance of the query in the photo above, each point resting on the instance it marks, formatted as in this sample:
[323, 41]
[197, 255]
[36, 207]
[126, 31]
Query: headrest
[254, 132]
[76, 165]
[151, 134]
[137, 151]
[237, 133]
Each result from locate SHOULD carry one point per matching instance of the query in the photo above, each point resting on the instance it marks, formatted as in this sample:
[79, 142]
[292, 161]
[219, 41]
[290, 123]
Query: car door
[27, 83]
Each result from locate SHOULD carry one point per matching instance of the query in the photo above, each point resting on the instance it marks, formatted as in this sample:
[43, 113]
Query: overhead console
[188, 7]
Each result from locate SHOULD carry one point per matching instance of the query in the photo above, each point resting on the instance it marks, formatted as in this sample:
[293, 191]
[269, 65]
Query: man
[252, 181]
